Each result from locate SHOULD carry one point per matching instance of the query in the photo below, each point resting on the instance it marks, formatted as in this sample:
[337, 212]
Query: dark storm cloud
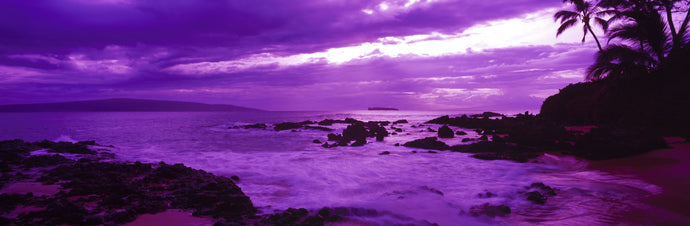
[76, 49]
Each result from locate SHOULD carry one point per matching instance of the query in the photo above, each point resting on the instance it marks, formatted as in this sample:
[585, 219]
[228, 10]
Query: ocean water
[285, 169]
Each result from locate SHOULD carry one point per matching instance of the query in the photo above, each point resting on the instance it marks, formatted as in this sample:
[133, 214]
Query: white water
[285, 169]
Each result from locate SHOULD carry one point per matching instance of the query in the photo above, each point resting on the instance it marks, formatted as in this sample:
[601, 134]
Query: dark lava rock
[353, 121]
[430, 129]
[432, 152]
[137, 188]
[44, 160]
[385, 153]
[490, 210]
[256, 126]
[65, 147]
[484, 138]
[318, 128]
[287, 126]
[543, 188]
[398, 130]
[487, 114]
[334, 137]
[328, 122]
[397, 144]
[235, 178]
[316, 141]
[291, 125]
[445, 132]
[460, 133]
[355, 132]
[325, 145]
[358, 143]
[376, 130]
[536, 197]
[467, 139]
[16, 146]
[441, 120]
[300, 216]
[400, 121]
[427, 143]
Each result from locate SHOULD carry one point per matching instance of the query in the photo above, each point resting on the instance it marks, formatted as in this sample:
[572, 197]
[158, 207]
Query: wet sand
[666, 168]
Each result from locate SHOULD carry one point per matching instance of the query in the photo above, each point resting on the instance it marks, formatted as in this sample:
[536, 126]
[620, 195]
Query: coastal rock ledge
[90, 188]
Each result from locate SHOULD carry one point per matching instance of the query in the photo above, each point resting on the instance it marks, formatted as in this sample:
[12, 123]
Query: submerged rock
[318, 128]
[445, 132]
[536, 197]
[294, 216]
[427, 143]
[401, 121]
[538, 193]
[287, 126]
[490, 210]
[334, 137]
[255, 126]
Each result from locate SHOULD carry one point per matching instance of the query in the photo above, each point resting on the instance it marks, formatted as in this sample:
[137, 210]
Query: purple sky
[498, 55]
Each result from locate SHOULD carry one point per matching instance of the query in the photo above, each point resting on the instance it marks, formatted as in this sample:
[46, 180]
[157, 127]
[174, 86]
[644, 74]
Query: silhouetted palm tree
[618, 61]
[648, 29]
[645, 44]
[584, 13]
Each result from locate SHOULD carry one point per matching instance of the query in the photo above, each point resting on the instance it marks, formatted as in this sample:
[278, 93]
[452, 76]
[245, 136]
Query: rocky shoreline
[520, 138]
[76, 185]
[82, 183]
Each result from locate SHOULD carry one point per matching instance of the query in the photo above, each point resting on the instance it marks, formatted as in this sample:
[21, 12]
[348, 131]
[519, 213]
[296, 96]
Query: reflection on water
[285, 169]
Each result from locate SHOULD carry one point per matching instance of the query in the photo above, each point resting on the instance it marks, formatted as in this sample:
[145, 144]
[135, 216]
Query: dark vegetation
[641, 78]
[522, 137]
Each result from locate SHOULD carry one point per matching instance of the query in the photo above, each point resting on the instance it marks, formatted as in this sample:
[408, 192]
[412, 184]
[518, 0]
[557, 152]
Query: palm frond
[630, 32]
[602, 23]
[564, 15]
[568, 24]
[618, 61]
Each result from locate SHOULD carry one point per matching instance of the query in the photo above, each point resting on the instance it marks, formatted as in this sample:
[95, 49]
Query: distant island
[122, 105]
[382, 109]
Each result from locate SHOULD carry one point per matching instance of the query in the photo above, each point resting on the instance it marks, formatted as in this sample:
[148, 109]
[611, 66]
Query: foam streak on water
[285, 169]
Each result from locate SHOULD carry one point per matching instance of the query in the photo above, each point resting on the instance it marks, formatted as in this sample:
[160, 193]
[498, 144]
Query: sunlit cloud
[530, 29]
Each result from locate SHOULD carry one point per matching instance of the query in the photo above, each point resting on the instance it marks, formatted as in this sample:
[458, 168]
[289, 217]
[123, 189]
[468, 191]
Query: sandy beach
[666, 168]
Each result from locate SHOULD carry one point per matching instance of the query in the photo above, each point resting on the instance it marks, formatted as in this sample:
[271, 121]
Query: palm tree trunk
[595, 38]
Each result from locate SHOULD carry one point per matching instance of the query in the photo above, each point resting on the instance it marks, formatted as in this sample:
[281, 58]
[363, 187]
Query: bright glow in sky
[527, 30]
